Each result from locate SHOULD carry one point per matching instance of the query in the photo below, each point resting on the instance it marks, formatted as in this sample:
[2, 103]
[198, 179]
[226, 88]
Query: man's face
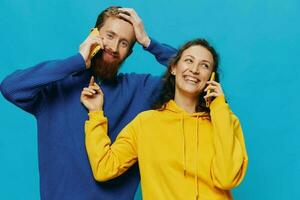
[118, 38]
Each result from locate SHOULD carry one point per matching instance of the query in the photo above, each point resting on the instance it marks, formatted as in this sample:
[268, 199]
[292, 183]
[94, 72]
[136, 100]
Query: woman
[184, 149]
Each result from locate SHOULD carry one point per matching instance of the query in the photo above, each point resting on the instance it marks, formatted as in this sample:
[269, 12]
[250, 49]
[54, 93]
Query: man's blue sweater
[51, 92]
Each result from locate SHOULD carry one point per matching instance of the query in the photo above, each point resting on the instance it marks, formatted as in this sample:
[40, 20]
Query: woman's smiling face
[193, 70]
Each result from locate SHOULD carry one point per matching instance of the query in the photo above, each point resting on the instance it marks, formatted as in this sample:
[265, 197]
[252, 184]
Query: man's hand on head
[130, 15]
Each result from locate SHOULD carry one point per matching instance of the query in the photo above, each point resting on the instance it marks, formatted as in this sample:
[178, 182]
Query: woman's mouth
[191, 79]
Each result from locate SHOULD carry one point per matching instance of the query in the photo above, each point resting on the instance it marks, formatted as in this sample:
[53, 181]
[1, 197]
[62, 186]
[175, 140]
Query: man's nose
[113, 46]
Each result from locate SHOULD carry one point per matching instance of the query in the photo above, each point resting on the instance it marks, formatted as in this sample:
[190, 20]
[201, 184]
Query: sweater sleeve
[24, 87]
[230, 161]
[162, 52]
[109, 160]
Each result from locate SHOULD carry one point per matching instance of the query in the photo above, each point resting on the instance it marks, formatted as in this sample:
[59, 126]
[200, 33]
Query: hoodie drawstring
[184, 154]
[183, 146]
[196, 159]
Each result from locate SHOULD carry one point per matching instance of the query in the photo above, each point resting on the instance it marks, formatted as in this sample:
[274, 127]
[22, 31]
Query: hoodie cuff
[97, 116]
[218, 102]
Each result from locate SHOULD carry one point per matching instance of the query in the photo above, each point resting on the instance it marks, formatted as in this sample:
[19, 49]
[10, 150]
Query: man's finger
[132, 13]
[129, 10]
[100, 41]
[97, 41]
[126, 17]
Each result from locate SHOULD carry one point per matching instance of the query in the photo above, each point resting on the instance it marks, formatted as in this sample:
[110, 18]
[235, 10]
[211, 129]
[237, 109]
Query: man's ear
[129, 52]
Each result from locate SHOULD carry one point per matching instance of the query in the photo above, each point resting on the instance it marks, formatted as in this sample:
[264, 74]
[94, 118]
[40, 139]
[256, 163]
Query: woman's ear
[173, 70]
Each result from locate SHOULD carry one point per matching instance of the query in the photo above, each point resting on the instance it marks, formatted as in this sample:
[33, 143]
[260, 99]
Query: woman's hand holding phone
[213, 89]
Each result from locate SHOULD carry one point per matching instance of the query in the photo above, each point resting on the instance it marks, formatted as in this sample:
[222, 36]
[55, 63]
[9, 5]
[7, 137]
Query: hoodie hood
[173, 107]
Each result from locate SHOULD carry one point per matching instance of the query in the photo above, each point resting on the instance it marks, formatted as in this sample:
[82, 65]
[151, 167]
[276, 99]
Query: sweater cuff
[218, 102]
[97, 116]
[151, 45]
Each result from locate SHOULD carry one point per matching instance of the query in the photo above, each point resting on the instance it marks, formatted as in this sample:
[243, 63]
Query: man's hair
[111, 11]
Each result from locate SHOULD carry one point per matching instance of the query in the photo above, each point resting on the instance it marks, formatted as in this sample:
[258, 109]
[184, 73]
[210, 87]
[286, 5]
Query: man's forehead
[119, 27]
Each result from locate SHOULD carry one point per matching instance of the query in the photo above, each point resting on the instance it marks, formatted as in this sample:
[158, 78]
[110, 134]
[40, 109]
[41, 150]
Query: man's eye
[205, 66]
[109, 36]
[124, 44]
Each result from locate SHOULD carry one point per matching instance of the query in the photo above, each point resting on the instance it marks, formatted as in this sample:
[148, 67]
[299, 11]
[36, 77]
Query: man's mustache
[114, 54]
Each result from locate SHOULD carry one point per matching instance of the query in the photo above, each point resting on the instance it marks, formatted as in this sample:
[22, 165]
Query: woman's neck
[188, 103]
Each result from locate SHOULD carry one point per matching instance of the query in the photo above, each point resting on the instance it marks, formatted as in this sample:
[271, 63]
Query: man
[51, 92]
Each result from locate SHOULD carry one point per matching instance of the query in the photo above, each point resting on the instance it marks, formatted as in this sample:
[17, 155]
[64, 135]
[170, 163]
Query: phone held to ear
[95, 49]
[208, 100]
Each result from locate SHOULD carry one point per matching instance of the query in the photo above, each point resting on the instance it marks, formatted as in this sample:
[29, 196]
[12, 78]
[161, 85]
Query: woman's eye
[206, 66]
[189, 61]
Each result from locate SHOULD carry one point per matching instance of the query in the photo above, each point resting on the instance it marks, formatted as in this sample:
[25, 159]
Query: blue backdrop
[259, 44]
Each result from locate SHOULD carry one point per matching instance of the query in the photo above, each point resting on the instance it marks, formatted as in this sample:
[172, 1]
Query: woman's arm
[107, 160]
[230, 162]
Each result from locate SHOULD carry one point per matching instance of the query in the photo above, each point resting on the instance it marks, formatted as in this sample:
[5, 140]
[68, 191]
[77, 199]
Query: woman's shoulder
[148, 115]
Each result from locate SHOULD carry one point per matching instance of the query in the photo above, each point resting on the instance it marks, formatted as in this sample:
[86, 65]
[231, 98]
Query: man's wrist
[146, 42]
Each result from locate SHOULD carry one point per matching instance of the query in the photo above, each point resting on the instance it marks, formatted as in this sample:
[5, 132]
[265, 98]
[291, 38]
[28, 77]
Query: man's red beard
[105, 70]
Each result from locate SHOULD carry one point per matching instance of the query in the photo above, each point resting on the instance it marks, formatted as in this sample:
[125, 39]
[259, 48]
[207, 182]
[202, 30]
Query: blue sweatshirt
[51, 92]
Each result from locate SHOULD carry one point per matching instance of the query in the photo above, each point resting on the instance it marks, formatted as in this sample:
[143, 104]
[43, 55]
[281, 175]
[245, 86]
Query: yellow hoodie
[180, 155]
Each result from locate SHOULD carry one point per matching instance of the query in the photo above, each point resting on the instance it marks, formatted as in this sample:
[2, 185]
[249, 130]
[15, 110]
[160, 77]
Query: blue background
[259, 44]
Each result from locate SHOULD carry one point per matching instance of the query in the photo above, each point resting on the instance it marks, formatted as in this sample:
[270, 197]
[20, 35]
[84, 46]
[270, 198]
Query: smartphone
[212, 78]
[95, 49]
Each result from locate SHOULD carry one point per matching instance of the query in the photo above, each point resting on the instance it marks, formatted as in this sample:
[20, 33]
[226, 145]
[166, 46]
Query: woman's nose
[194, 69]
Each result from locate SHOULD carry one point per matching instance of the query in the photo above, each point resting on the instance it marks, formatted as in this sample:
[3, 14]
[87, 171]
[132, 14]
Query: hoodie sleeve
[162, 52]
[109, 160]
[23, 87]
[230, 161]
